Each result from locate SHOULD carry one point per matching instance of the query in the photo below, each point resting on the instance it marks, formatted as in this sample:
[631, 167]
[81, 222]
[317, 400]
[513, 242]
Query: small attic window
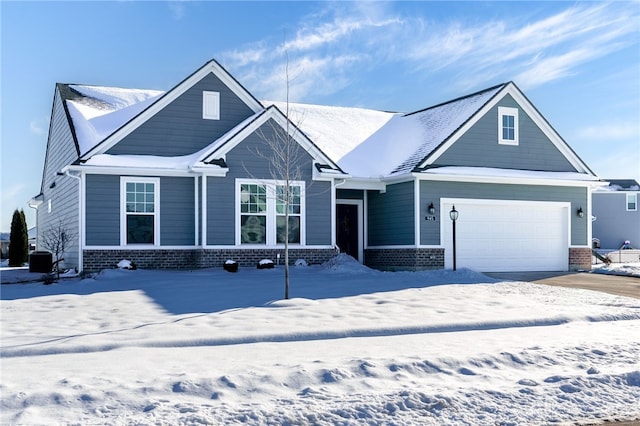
[211, 105]
[507, 126]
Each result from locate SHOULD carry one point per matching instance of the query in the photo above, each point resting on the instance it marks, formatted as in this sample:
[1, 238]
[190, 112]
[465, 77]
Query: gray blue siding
[179, 128]
[614, 224]
[318, 210]
[390, 215]
[177, 213]
[64, 195]
[102, 210]
[249, 160]
[434, 191]
[479, 147]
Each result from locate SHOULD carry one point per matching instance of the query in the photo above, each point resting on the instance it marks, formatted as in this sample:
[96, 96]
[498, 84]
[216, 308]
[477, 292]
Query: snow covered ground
[353, 346]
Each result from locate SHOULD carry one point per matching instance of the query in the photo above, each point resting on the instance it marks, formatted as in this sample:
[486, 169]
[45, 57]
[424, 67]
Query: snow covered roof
[97, 111]
[337, 131]
[367, 143]
[620, 185]
[363, 143]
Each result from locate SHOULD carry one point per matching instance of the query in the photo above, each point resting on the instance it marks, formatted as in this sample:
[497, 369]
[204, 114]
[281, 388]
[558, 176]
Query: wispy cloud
[332, 47]
[177, 8]
[39, 126]
[320, 56]
[611, 131]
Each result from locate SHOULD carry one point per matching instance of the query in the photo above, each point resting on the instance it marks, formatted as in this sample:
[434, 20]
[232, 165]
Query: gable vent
[211, 105]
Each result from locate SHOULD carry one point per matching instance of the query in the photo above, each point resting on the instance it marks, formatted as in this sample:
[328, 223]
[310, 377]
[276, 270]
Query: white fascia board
[532, 112]
[374, 183]
[131, 171]
[363, 184]
[511, 180]
[207, 170]
[172, 95]
[35, 202]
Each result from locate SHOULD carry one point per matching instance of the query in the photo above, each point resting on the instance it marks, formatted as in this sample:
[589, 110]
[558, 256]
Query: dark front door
[347, 229]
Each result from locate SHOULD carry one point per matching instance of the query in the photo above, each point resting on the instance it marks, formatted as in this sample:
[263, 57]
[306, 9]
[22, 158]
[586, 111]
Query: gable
[479, 147]
[269, 125]
[222, 81]
[179, 128]
[536, 154]
[251, 157]
[61, 145]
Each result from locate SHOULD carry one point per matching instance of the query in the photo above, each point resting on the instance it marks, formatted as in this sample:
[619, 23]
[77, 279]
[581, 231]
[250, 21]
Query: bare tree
[285, 158]
[57, 239]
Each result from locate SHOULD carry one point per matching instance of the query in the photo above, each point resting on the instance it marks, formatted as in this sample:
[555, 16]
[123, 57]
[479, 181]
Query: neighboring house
[181, 180]
[617, 216]
[4, 245]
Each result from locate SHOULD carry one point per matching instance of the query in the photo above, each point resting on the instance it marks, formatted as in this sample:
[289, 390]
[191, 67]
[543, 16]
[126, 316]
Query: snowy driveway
[620, 285]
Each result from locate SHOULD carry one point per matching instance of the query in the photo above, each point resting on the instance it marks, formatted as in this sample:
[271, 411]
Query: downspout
[67, 172]
[34, 205]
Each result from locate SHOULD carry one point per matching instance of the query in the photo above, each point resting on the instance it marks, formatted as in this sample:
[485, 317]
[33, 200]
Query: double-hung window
[632, 202]
[262, 212]
[139, 211]
[253, 213]
[507, 126]
[293, 197]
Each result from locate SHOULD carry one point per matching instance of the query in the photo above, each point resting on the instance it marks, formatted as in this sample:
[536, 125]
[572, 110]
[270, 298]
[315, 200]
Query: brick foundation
[96, 260]
[579, 258]
[405, 259]
[251, 257]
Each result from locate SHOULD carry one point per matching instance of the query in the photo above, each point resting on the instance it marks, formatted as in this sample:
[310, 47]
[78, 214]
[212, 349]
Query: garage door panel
[495, 235]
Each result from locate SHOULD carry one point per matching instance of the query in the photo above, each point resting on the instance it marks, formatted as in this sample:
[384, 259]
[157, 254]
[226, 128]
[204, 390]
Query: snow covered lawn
[353, 346]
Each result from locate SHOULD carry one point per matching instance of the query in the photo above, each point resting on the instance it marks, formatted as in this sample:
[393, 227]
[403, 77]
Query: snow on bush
[126, 264]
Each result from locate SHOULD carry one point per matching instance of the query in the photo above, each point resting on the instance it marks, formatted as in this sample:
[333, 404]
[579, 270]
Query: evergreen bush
[18, 240]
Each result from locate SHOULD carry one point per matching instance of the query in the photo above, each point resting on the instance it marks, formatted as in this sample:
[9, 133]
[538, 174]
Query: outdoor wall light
[580, 212]
[431, 209]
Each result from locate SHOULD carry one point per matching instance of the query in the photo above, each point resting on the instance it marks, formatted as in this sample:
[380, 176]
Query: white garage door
[498, 235]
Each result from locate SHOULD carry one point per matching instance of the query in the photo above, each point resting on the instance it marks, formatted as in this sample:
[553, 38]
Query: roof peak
[460, 98]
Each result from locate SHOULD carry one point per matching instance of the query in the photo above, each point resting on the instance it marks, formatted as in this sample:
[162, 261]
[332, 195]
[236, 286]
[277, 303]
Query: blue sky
[578, 62]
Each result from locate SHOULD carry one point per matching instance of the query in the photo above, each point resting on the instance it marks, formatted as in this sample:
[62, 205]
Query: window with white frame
[253, 213]
[139, 211]
[632, 202]
[295, 208]
[262, 211]
[507, 126]
[211, 105]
